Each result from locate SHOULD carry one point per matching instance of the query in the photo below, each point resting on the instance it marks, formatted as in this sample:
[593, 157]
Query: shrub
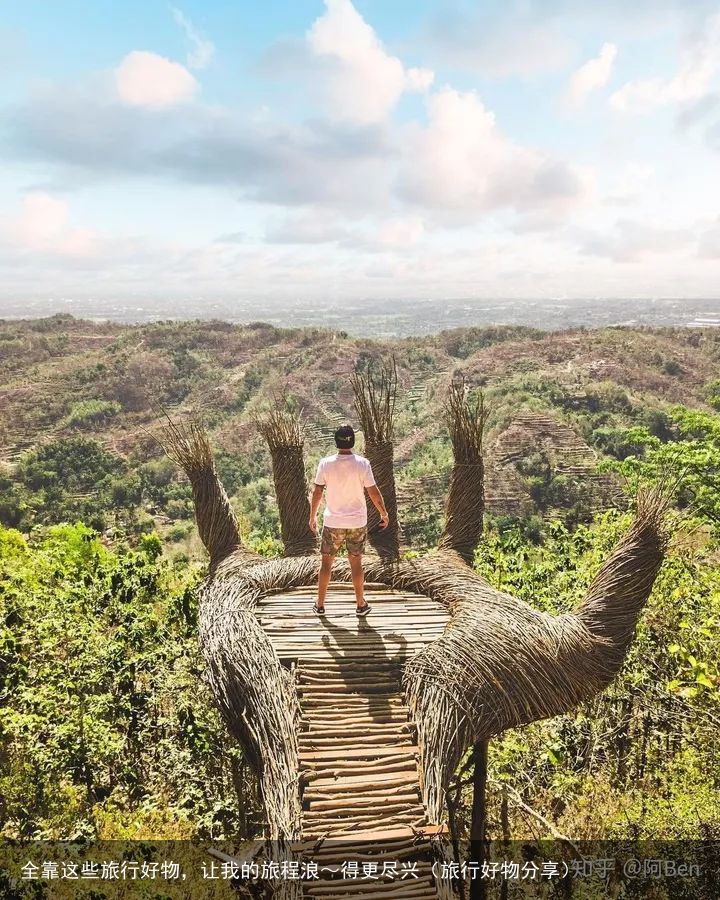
[91, 412]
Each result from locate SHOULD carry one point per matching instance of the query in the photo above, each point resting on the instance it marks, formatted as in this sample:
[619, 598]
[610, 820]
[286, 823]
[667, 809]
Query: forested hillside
[106, 727]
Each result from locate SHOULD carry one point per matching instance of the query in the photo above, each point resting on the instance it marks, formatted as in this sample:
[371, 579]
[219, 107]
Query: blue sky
[526, 148]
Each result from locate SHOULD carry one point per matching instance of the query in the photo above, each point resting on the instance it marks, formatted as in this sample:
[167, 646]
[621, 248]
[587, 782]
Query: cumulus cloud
[147, 80]
[633, 242]
[592, 75]
[366, 81]
[316, 226]
[692, 81]
[693, 112]
[401, 233]
[461, 161]
[455, 165]
[203, 50]
[88, 137]
[709, 241]
[518, 42]
[365, 179]
[42, 224]
[629, 183]
[530, 37]
[310, 227]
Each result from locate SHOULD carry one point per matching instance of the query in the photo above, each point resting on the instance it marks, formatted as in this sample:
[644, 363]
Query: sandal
[320, 610]
[363, 610]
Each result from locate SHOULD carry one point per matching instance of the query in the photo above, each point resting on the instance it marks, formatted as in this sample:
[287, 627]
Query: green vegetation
[106, 729]
[92, 412]
[643, 759]
[106, 725]
[65, 480]
[690, 452]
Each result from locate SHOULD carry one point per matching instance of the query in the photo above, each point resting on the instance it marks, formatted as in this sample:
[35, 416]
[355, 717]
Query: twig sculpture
[499, 663]
[375, 404]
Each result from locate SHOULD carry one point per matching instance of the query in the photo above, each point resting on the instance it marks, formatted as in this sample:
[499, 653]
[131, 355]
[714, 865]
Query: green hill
[106, 728]
[78, 402]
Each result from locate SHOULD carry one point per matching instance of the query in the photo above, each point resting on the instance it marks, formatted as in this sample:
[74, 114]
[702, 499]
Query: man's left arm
[379, 504]
[375, 495]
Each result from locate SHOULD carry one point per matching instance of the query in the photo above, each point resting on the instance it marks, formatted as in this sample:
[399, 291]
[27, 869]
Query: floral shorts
[333, 539]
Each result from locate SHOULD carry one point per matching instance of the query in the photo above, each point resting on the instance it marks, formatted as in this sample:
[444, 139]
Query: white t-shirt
[345, 476]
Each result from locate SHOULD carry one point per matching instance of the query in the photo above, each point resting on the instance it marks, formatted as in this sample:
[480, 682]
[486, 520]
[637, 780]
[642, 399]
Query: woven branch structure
[375, 397]
[465, 420]
[284, 436]
[499, 663]
[187, 445]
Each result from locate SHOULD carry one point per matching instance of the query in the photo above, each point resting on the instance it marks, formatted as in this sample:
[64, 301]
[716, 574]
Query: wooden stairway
[360, 778]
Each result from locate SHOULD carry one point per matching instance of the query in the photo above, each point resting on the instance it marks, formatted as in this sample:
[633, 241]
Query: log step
[358, 750]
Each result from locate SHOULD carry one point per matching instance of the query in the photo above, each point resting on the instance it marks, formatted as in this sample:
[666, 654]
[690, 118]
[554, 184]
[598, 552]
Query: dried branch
[284, 433]
[466, 420]
[375, 397]
[187, 444]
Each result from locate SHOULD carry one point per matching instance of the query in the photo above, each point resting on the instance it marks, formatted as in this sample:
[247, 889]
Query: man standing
[344, 477]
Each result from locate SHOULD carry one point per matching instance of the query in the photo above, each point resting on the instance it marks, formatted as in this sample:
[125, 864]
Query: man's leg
[355, 540]
[358, 577]
[324, 578]
[328, 549]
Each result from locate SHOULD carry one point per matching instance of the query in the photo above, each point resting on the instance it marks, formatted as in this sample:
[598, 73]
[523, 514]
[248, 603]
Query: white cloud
[401, 233]
[630, 183]
[634, 242]
[516, 44]
[366, 81]
[692, 81]
[148, 80]
[320, 226]
[313, 226]
[203, 50]
[461, 161]
[42, 225]
[709, 241]
[591, 76]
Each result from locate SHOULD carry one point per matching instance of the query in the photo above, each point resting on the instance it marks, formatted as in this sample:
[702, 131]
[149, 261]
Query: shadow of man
[365, 665]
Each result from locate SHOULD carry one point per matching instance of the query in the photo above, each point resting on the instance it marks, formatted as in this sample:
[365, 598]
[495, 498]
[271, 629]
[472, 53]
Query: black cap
[344, 437]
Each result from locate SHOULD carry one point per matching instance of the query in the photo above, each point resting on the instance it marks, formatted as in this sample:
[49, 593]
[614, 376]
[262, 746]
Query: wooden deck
[358, 753]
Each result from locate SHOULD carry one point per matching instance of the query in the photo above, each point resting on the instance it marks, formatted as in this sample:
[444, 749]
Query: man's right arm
[317, 493]
[315, 505]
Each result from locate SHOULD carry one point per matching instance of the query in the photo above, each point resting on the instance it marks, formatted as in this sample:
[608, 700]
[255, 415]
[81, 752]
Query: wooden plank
[352, 701]
[329, 686]
[400, 813]
[333, 768]
[347, 606]
[383, 819]
[362, 753]
[339, 746]
[367, 730]
[397, 629]
[357, 747]
[345, 647]
[292, 653]
[396, 888]
[382, 835]
[330, 665]
[348, 616]
[364, 716]
[342, 802]
[365, 781]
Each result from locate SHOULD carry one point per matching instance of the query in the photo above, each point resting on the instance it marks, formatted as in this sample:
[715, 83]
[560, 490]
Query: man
[344, 477]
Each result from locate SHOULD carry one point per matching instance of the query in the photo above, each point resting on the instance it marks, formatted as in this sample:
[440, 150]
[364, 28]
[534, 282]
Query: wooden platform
[358, 754]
